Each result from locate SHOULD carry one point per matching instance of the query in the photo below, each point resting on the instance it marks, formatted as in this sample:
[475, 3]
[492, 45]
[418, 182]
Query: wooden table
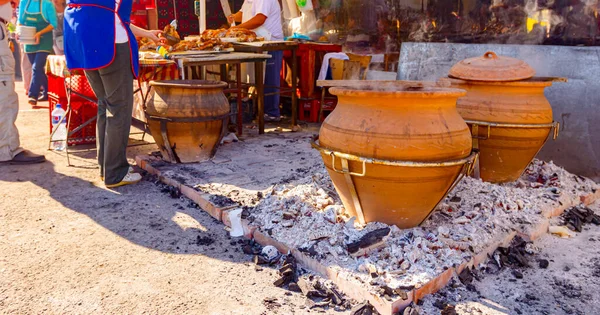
[186, 63]
[267, 46]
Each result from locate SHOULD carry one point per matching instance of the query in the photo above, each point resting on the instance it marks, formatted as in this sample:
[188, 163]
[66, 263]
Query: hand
[231, 19]
[37, 37]
[155, 35]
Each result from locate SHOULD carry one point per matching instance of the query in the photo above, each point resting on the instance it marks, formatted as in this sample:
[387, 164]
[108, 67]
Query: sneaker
[43, 99]
[272, 119]
[130, 170]
[32, 101]
[129, 179]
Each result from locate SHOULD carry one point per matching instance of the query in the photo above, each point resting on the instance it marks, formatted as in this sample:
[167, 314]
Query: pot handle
[490, 55]
[364, 167]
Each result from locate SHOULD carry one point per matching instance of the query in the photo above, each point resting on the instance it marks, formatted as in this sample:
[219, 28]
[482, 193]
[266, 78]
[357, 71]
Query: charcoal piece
[293, 286]
[410, 310]
[466, 277]
[281, 282]
[368, 239]
[403, 295]
[335, 296]
[364, 308]
[260, 260]
[449, 310]
[305, 287]
[387, 290]
[517, 274]
[544, 263]
[439, 304]
[204, 241]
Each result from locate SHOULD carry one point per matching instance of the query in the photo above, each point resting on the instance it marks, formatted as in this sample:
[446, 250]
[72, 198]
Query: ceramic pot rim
[533, 82]
[190, 84]
[407, 92]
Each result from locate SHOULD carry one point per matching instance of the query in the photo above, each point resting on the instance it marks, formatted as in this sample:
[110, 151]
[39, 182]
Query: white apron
[261, 31]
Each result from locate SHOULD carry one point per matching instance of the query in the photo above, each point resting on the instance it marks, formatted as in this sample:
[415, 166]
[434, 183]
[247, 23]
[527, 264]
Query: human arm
[254, 22]
[150, 34]
[236, 17]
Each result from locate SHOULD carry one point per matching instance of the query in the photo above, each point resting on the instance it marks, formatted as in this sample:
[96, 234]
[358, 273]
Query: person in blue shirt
[99, 39]
[41, 15]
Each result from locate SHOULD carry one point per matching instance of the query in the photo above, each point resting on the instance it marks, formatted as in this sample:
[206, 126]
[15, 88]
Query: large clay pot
[507, 112]
[513, 121]
[393, 155]
[188, 119]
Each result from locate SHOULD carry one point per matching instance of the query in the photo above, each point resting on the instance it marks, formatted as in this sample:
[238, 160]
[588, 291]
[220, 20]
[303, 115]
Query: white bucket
[26, 34]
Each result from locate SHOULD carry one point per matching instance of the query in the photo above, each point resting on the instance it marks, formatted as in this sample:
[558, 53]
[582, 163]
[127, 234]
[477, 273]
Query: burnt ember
[576, 217]
[171, 191]
[368, 240]
[513, 256]
[364, 308]
[222, 201]
[204, 241]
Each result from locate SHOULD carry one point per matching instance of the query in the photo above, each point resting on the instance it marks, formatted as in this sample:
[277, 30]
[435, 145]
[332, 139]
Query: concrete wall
[576, 104]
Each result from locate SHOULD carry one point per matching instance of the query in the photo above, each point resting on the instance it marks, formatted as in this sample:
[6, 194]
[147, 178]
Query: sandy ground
[68, 245]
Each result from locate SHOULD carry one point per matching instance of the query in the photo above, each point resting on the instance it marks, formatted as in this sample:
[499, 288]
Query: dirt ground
[68, 245]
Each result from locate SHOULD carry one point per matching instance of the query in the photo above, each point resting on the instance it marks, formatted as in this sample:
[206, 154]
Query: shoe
[26, 157]
[272, 119]
[130, 170]
[43, 99]
[32, 101]
[129, 179]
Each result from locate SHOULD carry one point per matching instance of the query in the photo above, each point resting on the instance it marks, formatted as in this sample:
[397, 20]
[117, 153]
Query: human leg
[272, 83]
[10, 150]
[117, 80]
[38, 78]
[97, 85]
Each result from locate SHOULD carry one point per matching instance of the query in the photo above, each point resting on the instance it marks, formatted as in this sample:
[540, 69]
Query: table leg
[294, 83]
[238, 80]
[224, 73]
[310, 80]
[260, 91]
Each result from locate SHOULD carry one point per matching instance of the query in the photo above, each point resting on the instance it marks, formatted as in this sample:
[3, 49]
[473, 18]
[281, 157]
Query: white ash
[308, 215]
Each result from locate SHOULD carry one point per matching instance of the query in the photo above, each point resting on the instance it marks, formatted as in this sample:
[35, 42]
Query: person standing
[100, 40]
[57, 32]
[10, 150]
[41, 15]
[264, 18]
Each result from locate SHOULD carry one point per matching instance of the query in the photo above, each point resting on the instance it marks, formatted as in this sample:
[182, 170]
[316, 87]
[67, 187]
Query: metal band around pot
[555, 125]
[350, 157]
[466, 163]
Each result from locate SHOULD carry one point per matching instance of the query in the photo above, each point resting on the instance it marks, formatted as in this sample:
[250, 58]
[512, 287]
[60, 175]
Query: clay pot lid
[491, 67]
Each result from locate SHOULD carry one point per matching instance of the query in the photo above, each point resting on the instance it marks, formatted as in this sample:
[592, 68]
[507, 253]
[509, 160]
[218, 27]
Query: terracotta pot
[510, 117]
[188, 118]
[393, 155]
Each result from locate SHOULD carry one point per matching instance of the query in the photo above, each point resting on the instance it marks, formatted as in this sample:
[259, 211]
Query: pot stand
[467, 168]
[488, 125]
[163, 131]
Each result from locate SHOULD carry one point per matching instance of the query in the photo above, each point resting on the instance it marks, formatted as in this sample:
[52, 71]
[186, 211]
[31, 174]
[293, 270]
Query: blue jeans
[273, 79]
[39, 78]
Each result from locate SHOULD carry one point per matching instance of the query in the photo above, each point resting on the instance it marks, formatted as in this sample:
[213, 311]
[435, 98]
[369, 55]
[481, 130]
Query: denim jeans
[39, 78]
[273, 78]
